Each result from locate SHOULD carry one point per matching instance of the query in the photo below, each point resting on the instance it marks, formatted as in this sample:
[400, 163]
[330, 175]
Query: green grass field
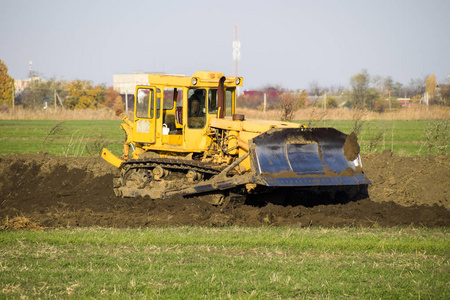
[405, 138]
[236, 263]
[86, 138]
[69, 138]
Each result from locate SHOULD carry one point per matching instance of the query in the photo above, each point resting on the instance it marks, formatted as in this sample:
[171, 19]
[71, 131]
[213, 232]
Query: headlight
[238, 80]
[194, 81]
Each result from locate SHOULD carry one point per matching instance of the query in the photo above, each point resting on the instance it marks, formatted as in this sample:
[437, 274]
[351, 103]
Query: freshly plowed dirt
[53, 191]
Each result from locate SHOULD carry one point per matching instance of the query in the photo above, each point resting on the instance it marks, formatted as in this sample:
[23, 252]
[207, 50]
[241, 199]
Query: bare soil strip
[54, 191]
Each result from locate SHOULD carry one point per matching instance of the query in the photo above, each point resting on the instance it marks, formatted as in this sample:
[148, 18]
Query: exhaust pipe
[221, 98]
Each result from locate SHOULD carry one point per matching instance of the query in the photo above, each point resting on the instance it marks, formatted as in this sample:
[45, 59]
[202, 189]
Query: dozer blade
[294, 157]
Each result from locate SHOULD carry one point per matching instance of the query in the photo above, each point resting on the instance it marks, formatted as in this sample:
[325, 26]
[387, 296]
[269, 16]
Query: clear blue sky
[290, 43]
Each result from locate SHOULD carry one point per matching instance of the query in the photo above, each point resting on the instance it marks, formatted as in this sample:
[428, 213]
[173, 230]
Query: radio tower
[236, 50]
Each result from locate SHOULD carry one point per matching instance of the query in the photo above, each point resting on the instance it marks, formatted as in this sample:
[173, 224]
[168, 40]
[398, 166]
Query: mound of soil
[53, 191]
[409, 180]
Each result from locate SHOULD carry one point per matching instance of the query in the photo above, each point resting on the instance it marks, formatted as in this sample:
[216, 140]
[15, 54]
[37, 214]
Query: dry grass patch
[60, 114]
[317, 114]
[418, 112]
[19, 223]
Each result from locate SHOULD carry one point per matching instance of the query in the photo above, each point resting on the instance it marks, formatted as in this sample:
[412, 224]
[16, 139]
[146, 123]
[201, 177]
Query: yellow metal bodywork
[185, 141]
[255, 126]
[245, 131]
[204, 79]
[111, 158]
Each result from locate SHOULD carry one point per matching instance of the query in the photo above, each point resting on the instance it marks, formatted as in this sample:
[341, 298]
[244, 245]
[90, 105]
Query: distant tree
[378, 82]
[359, 84]
[33, 95]
[334, 89]
[315, 89]
[331, 102]
[445, 94]
[415, 88]
[397, 90]
[81, 94]
[272, 87]
[6, 85]
[430, 84]
[416, 99]
[112, 98]
[387, 87]
[290, 103]
[388, 83]
[371, 96]
[98, 94]
[38, 92]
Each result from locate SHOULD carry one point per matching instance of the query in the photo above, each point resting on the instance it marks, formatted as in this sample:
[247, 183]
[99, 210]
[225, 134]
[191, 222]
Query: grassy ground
[405, 138]
[259, 263]
[87, 137]
[70, 138]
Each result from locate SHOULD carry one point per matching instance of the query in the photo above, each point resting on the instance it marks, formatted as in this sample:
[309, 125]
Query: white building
[126, 83]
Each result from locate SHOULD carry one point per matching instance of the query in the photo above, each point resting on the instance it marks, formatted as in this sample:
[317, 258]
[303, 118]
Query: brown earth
[53, 191]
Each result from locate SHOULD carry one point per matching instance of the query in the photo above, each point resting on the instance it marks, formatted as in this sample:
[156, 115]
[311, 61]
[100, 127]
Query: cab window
[229, 102]
[172, 95]
[171, 114]
[196, 108]
[158, 103]
[143, 108]
[212, 101]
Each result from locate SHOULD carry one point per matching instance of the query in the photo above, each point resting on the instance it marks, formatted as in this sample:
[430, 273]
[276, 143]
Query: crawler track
[177, 171]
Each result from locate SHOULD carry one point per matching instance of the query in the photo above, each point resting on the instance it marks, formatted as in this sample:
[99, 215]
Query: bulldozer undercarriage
[165, 177]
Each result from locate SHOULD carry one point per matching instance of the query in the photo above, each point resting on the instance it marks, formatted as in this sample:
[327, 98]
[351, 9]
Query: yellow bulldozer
[185, 138]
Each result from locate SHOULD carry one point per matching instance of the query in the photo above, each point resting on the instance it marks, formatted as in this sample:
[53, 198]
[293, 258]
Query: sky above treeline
[285, 43]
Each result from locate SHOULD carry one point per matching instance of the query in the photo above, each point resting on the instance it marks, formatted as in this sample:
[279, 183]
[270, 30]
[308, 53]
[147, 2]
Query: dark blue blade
[356, 179]
[303, 157]
[272, 159]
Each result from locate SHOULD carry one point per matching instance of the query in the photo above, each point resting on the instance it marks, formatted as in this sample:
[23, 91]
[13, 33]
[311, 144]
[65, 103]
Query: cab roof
[198, 79]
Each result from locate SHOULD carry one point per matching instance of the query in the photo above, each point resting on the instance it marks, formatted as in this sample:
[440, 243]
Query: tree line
[364, 91]
[6, 85]
[76, 94]
[69, 94]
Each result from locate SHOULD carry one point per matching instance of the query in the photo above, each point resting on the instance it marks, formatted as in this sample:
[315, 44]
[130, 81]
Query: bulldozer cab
[173, 112]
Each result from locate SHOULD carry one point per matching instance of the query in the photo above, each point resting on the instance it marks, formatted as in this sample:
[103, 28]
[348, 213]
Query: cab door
[194, 118]
[144, 129]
